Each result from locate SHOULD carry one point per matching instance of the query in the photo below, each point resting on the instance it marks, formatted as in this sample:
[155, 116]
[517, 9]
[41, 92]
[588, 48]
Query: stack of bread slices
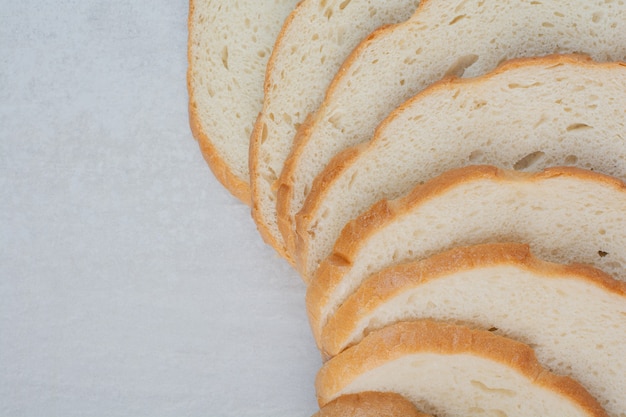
[448, 177]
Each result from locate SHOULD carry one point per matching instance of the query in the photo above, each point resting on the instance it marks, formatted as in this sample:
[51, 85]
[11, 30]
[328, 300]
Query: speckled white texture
[131, 283]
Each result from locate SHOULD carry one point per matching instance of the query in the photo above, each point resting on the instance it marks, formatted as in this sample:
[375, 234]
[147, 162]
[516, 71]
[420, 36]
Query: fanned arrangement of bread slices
[448, 178]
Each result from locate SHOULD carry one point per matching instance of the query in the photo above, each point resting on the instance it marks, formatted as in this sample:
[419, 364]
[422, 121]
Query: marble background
[131, 283]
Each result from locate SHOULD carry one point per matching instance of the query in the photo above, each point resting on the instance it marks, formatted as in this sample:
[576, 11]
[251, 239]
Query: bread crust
[236, 185]
[257, 213]
[256, 138]
[345, 159]
[356, 233]
[370, 404]
[221, 170]
[278, 234]
[287, 183]
[298, 237]
[392, 281]
[283, 202]
[426, 336]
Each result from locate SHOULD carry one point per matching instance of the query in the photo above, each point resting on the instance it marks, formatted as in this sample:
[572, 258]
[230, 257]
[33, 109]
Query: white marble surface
[131, 283]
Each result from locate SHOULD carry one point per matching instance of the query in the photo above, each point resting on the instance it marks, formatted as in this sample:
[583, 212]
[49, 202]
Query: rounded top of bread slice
[451, 370]
[574, 316]
[528, 114]
[228, 48]
[565, 214]
[370, 404]
[442, 38]
[313, 43]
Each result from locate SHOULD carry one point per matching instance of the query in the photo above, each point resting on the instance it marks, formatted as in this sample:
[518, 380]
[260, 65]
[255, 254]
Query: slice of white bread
[228, 48]
[315, 40]
[443, 37]
[565, 214]
[450, 370]
[528, 114]
[573, 316]
[370, 404]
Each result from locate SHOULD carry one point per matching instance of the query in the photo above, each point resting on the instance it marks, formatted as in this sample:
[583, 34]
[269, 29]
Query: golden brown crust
[256, 138]
[239, 187]
[370, 404]
[427, 336]
[299, 241]
[221, 170]
[257, 212]
[285, 181]
[357, 232]
[284, 196]
[392, 281]
[289, 226]
[346, 158]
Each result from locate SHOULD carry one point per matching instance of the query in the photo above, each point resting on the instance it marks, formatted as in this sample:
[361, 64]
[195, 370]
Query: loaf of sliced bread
[449, 370]
[565, 214]
[228, 48]
[370, 404]
[527, 115]
[316, 38]
[554, 308]
[443, 37]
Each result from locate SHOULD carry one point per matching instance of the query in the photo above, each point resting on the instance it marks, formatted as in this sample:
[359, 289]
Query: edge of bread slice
[528, 114]
[313, 43]
[228, 46]
[565, 214]
[370, 404]
[442, 38]
[451, 370]
[573, 316]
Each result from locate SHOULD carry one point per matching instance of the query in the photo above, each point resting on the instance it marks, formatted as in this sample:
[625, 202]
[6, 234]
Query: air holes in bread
[602, 253]
[476, 156]
[578, 126]
[517, 85]
[483, 387]
[335, 120]
[344, 4]
[460, 65]
[529, 161]
[597, 16]
[225, 57]
[456, 19]
[352, 179]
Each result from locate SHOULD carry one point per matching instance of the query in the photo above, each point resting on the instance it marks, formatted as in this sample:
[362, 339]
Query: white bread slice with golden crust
[370, 404]
[465, 38]
[528, 114]
[565, 214]
[314, 41]
[449, 371]
[573, 316]
[228, 48]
